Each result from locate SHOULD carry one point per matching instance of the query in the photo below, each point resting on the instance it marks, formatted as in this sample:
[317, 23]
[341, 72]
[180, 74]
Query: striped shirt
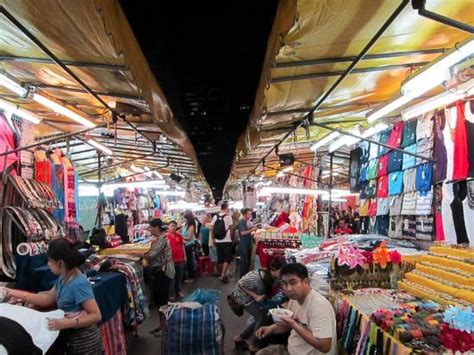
[409, 180]
[424, 148]
[424, 203]
[159, 256]
[252, 281]
[409, 227]
[424, 227]
[396, 205]
[409, 204]
[395, 227]
[424, 128]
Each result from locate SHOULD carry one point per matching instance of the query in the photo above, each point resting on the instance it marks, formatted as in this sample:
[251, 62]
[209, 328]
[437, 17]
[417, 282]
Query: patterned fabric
[396, 205]
[424, 227]
[252, 281]
[113, 335]
[409, 180]
[82, 341]
[409, 227]
[192, 331]
[409, 203]
[395, 227]
[424, 128]
[160, 255]
[424, 203]
[424, 148]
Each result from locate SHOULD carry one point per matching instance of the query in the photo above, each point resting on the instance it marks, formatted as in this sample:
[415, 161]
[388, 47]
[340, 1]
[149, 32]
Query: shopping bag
[204, 295]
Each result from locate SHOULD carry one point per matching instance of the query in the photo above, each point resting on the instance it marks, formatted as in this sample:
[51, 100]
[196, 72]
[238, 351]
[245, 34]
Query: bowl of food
[277, 313]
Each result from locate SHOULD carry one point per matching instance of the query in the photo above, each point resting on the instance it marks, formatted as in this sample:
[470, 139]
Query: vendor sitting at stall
[72, 292]
[342, 228]
[313, 324]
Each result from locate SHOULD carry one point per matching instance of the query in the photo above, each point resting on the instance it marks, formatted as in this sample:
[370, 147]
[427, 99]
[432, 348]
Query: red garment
[7, 143]
[461, 157]
[439, 226]
[373, 207]
[382, 186]
[395, 137]
[281, 220]
[382, 169]
[43, 171]
[344, 230]
[176, 241]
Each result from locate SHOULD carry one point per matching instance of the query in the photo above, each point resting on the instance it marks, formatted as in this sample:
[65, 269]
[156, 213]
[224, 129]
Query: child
[178, 254]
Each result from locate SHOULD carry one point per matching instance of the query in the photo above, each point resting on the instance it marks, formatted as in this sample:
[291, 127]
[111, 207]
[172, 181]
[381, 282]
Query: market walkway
[146, 344]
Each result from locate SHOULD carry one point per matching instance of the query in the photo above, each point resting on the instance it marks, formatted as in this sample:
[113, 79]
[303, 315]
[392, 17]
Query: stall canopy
[311, 44]
[93, 40]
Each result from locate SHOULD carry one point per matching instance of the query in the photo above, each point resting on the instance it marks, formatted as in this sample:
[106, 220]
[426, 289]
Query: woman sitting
[254, 292]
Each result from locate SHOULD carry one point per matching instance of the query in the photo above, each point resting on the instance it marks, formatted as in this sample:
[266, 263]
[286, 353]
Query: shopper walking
[204, 234]
[72, 293]
[246, 233]
[221, 236]
[160, 269]
[178, 254]
[189, 234]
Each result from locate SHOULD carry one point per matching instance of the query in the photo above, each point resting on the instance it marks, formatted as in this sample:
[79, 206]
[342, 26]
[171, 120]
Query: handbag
[237, 308]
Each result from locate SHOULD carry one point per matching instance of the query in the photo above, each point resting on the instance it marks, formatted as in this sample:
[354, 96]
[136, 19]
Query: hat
[158, 223]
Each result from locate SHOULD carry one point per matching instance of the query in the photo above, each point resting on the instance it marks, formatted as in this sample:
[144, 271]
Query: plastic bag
[204, 295]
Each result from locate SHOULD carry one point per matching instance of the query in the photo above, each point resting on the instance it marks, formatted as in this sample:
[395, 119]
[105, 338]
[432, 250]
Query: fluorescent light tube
[380, 112]
[438, 71]
[374, 130]
[16, 110]
[63, 110]
[331, 136]
[287, 169]
[334, 199]
[12, 85]
[159, 184]
[345, 140]
[100, 147]
[289, 190]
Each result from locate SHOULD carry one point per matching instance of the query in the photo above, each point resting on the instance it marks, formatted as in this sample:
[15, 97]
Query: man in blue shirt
[246, 232]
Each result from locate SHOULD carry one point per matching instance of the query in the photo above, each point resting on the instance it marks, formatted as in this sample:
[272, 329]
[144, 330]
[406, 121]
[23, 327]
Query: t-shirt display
[395, 183]
[469, 117]
[409, 133]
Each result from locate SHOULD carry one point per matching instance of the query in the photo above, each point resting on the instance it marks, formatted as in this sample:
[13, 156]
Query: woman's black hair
[63, 249]
[275, 265]
[190, 220]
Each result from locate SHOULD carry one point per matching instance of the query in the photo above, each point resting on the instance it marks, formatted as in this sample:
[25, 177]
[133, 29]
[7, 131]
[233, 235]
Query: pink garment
[439, 227]
[7, 143]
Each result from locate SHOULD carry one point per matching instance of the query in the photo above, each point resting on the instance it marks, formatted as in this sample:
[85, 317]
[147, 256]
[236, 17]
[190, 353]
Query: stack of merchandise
[445, 275]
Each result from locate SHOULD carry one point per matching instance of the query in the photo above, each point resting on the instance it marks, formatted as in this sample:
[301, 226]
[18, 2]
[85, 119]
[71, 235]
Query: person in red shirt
[178, 254]
[341, 228]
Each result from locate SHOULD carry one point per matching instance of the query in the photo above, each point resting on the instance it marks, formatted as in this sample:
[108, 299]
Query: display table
[127, 249]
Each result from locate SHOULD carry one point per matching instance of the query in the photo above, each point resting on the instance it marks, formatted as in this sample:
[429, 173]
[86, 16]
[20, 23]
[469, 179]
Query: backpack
[219, 229]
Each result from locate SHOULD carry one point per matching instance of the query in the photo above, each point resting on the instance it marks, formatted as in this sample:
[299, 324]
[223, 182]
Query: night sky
[207, 56]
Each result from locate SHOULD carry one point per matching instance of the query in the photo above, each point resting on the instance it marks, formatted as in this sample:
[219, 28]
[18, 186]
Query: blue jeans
[245, 252]
[190, 262]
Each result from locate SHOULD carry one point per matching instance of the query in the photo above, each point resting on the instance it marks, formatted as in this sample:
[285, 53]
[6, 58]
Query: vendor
[72, 292]
[342, 228]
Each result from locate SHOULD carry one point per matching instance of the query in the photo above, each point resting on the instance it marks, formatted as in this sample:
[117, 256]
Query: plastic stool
[205, 265]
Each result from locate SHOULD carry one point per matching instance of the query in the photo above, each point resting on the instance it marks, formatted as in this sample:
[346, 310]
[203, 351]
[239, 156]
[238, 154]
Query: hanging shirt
[424, 203]
[438, 196]
[447, 214]
[363, 187]
[409, 180]
[395, 227]
[354, 169]
[372, 169]
[395, 183]
[439, 148]
[363, 172]
[469, 118]
[468, 210]
[424, 147]
[424, 128]
[424, 177]
[396, 205]
[382, 223]
[382, 186]
[383, 205]
[409, 133]
[448, 134]
[409, 203]
[371, 188]
[459, 192]
[383, 138]
[409, 161]
[364, 208]
[461, 158]
[395, 137]
[409, 227]
[395, 159]
[424, 227]
[365, 147]
[373, 207]
[373, 148]
[382, 169]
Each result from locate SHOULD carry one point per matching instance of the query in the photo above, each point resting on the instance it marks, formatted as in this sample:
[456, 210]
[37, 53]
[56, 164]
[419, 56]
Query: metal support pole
[349, 69]
[53, 139]
[99, 212]
[371, 141]
[116, 164]
[330, 196]
[422, 11]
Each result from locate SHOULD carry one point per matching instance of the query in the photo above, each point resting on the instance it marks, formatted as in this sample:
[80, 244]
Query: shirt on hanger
[461, 158]
[383, 138]
[424, 177]
[395, 159]
[382, 186]
[409, 227]
[424, 203]
[459, 193]
[424, 147]
[364, 208]
[372, 169]
[383, 205]
[448, 135]
[409, 180]
[382, 223]
[469, 118]
[395, 227]
[424, 227]
[354, 169]
[395, 183]
[373, 207]
[374, 148]
[409, 133]
[409, 203]
[440, 154]
[395, 137]
[409, 161]
[424, 128]
[363, 187]
[468, 210]
[365, 146]
[396, 205]
[447, 213]
[382, 169]
[371, 188]
[363, 172]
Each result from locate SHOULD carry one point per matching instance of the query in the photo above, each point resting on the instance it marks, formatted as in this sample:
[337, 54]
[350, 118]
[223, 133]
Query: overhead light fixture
[444, 99]
[326, 198]
[438, 71]
[12, 85]
[58, 108]
[265, 191]
[386, 109]
[345, 140]
[159, 184]
[100, 147]
[331, 136]
[287, 169]
[286, 159]
[18, 111]
[374, 130]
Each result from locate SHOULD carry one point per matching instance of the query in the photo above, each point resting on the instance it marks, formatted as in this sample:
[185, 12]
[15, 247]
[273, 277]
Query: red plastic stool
[205, 265]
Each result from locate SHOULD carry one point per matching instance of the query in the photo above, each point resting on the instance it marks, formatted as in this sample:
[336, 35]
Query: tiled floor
[147, 344]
